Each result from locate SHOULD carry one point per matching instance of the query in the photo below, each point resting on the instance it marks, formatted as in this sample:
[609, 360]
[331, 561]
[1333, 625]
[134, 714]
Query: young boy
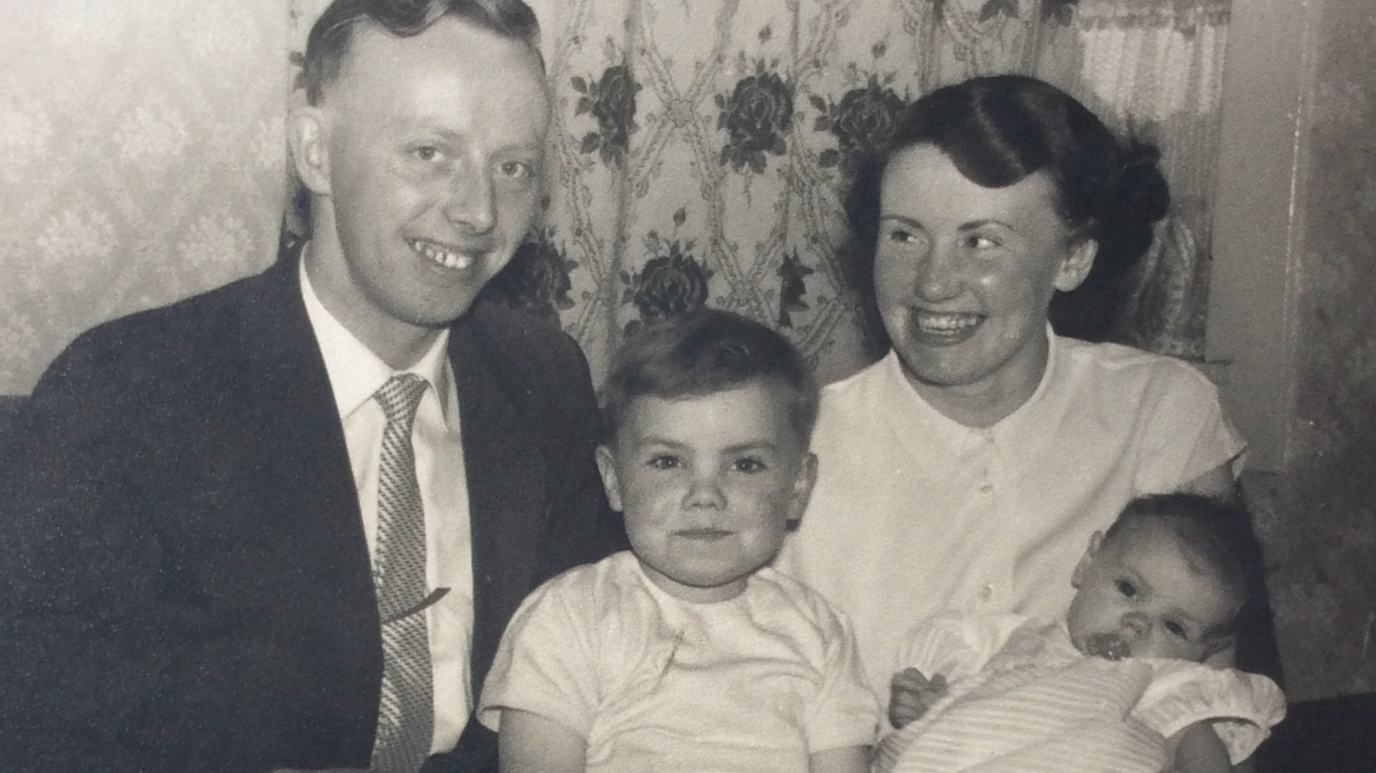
[689, 653]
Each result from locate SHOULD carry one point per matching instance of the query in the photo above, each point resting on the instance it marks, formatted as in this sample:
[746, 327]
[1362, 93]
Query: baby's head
[1167, 580]
[708, 416]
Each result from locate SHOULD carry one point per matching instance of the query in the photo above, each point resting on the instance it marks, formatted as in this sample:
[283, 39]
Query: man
[199, 498]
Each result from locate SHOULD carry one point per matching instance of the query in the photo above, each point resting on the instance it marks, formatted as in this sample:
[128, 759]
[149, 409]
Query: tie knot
[400, 397]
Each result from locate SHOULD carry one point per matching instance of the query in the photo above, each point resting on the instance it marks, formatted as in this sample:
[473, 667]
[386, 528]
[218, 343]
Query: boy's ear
[1076, 265]
[307, 135]
[1095, 542]
[606, 466]
[802, 490]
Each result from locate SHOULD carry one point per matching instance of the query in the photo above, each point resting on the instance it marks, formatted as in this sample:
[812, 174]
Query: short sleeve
[845, 711]
[546, 663]
[1242, 708]
[1186, 433]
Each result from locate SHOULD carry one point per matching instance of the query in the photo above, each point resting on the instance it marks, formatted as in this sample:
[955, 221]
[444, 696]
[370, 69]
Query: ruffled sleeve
[1241, 707]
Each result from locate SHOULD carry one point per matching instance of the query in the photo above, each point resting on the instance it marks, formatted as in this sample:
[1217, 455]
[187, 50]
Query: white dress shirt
[355, 375]
[914, 512]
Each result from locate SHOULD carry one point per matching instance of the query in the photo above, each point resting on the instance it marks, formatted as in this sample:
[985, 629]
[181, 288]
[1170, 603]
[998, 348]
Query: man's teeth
[442, 256]
[946, 323]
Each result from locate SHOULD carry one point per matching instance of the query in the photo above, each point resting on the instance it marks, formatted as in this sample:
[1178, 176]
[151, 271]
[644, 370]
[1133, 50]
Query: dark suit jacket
[186, 583]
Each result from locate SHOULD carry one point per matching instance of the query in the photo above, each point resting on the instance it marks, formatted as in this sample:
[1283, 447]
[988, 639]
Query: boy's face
[707, 484]
[1144, 594]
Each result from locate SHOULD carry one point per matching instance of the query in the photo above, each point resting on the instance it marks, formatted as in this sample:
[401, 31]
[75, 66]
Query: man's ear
[606, 466]
[307, 136]
[1076, 265]
[1078, 576]
[802, 490]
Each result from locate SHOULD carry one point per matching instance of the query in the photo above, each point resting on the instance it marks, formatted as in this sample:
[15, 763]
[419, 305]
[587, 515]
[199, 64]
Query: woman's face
[964, 275]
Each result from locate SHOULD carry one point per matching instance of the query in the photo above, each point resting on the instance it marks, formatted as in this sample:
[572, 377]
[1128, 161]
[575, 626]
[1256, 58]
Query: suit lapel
[506, 499]
[305, 477]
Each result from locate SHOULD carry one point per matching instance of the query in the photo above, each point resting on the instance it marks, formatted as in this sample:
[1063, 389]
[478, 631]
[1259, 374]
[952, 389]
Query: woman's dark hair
[1220, 534]
[706, 351]
[999, 129]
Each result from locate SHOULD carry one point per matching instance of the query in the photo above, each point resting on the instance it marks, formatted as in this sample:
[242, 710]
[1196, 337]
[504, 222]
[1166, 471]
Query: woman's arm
[847, 759]
[530, 743]
[1198, 749]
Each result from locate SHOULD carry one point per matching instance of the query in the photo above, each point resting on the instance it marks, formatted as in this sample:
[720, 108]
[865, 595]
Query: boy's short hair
[703, 352]
[1219, 533]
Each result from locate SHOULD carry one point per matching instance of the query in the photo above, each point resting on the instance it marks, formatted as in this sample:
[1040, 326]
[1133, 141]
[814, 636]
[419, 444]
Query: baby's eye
[1126, 588]
[665, 462]
[1176, 629]
[748, 465]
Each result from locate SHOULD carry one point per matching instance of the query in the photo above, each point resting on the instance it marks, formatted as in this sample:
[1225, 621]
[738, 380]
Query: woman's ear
[307, 134]
[1076, 265]
[606, 465]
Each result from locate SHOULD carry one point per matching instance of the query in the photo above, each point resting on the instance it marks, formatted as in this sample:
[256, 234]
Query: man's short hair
[328, 42]
[704, 352]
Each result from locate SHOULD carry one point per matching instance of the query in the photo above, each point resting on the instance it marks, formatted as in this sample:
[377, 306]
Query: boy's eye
[748, 465]
[515, 170]
[1126, 588]
[665, 462]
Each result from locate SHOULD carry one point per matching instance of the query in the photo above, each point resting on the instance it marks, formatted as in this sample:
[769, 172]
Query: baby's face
[707, 484]
[1144, 594]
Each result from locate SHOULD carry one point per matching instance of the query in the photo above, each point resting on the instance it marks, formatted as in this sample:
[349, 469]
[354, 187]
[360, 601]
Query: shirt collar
[355, 372]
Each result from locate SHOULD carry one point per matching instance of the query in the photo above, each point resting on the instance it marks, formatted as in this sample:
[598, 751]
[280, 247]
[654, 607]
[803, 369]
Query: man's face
[425, 170]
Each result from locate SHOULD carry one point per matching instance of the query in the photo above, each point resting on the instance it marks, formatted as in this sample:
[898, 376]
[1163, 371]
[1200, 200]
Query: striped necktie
[406, 711]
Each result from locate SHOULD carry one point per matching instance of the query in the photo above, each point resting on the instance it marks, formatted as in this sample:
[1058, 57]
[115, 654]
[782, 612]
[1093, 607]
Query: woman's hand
[911, 694]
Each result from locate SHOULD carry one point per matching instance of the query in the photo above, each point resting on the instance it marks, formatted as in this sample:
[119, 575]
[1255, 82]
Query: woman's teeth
[444, 257]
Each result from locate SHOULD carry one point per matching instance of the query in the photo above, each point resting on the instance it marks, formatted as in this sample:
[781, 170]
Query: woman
[970, 466]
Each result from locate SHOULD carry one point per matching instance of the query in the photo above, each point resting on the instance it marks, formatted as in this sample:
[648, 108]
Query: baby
[1117, 686]
[689, 653]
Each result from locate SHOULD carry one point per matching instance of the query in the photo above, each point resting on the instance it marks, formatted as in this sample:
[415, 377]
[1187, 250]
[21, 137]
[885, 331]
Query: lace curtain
[697, 153]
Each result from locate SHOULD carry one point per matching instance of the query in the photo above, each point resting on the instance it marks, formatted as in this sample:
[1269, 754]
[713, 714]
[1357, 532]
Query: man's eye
[902, 236]
[748, 465]
[1177, 629]
[427, 152]
[977, 242]
[665, 462]
[1126, 588]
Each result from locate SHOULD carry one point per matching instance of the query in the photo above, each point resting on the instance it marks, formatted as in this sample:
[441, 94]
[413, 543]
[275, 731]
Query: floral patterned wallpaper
[141, 160]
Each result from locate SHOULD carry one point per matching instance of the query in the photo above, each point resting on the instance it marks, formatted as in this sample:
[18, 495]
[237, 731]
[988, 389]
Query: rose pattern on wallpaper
[862, 122]
[756, 117]
[611, 100]
[537, 278]
[672, 282]
[792, 288]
